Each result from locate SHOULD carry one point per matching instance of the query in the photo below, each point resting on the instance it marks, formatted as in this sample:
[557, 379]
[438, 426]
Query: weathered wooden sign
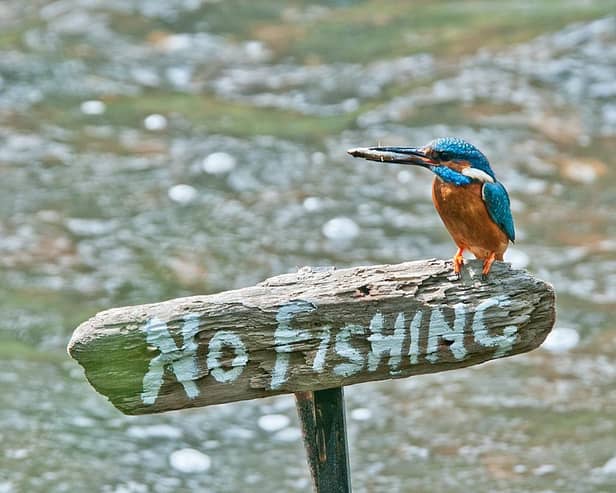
[310, 330]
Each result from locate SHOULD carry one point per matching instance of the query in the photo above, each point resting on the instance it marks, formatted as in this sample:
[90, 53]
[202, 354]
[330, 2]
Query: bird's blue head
[458, 154]
[451, 158]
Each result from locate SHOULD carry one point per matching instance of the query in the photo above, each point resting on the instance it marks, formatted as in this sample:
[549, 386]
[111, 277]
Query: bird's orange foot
[487, 265]
[458, 262]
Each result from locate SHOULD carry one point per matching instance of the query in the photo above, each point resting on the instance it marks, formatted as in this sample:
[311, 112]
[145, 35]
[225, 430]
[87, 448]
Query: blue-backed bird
[472, 203]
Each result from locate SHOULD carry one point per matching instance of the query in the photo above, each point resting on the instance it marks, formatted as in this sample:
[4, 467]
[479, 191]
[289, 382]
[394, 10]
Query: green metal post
[321, 414]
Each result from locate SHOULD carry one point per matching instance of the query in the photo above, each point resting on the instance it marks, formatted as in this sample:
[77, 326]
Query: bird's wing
[497, 202]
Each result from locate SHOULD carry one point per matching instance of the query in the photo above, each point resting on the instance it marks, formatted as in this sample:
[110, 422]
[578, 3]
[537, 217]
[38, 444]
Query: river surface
[156, 149]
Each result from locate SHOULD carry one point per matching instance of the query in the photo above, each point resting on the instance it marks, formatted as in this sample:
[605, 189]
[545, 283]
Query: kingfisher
[472, 203]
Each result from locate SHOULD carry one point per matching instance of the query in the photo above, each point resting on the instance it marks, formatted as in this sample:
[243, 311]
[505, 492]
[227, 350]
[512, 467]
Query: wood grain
[310, 330]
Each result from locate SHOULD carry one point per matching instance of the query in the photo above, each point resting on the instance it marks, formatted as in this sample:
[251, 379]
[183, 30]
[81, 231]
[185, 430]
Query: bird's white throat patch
[477, 174]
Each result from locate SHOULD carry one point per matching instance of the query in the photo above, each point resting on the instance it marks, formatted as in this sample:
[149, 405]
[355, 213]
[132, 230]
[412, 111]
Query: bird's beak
[402, 155]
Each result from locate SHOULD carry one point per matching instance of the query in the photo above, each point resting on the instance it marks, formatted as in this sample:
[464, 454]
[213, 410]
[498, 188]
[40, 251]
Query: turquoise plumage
[472, 203]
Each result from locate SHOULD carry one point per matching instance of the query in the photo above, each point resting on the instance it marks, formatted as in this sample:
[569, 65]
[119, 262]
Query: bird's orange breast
[466, 217]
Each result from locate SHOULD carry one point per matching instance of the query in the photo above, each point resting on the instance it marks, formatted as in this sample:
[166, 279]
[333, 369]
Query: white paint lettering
[344, 349]
[502, 342]
[284, 338]
[222, 339]
[414, 347]
[227, 355]
[440, 329]
[182, 360]
[319, 358]
[381, 344]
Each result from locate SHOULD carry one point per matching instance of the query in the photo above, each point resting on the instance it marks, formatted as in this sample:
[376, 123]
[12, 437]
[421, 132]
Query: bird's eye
[440, 155]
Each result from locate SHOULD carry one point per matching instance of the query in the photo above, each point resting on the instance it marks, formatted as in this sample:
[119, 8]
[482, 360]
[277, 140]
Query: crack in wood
[311, 330]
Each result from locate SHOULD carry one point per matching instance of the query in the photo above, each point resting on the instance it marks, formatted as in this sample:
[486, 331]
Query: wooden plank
[311, 330]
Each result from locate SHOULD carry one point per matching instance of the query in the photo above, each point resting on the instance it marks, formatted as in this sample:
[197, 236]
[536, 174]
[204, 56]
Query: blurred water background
[154, 149]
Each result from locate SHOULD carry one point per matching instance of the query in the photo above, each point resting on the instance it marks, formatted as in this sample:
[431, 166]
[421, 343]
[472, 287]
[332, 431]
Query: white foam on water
[155, 122]
[273, 422]
[182, 194]
[189, 460]
[218, 163]
[561, 339]
[93, 107]
[341, 228]
[361, 414]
